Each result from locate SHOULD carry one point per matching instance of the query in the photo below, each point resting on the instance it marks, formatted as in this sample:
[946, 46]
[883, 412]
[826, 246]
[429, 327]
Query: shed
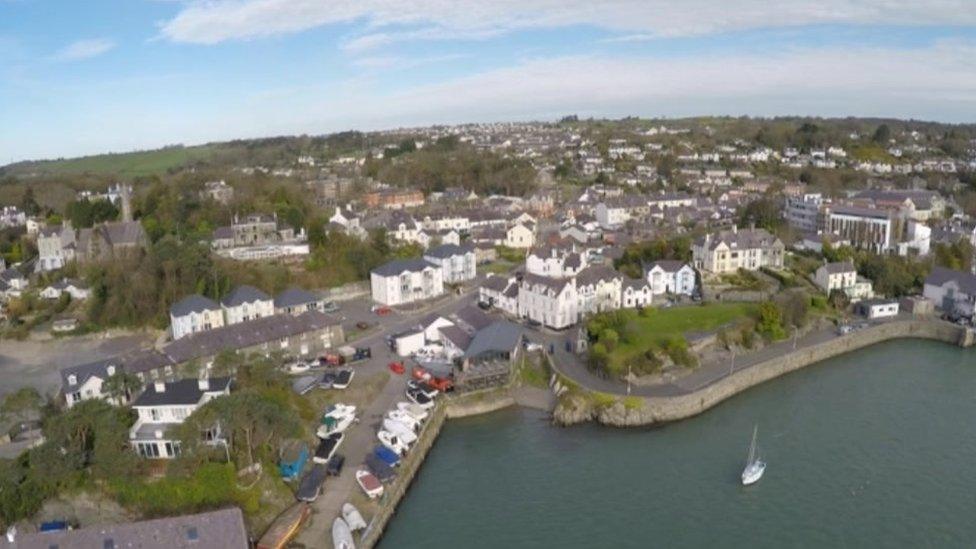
[408, 343]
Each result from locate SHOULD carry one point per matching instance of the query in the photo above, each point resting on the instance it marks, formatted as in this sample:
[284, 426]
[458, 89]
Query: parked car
[362, 325]
[298, 367]
[383, 311]
[330, 307]
[334, 467]
[397, 367]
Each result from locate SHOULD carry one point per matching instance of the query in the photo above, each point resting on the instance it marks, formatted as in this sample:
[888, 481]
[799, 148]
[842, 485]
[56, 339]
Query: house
[163, 405]
[520, 235]
[552, 302]
[75, 288]
[874, 309]
[109, 240]
[246, 303]
[843, 276]
[598, 289]
[394, 199]
[457, 262]
[636, 293]
[12, 216]
[952, 291]
[84, 381]
[409, 342]
[193, 314]
[555, 261]
[218, 191]
[55, 247]
[222, 529]
[432, 326]
[500, 292]
[404, 281]
[731, 250]
[294, 301]
[13, 282]
[668, 276]
[499, 342]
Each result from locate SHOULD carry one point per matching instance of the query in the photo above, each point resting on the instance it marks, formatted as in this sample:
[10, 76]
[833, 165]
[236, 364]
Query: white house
[245, 303]
[555, 262]
[877, 308]
[952, 291]
[500, 292]
[636, 293]
[76, 289]
[295, 301]
[520, 235]
[164, 405]
[729, 251]
[598, 289]
[55, 247]
[548, 301]
[193, 314]
[843, 276]
[406, 281]
[457, 262]
[670, 277]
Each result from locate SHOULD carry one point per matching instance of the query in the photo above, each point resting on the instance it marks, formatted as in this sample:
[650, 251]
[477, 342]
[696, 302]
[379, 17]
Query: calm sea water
[873, 449]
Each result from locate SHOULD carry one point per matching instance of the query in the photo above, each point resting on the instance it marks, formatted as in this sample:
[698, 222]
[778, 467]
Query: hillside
[132, 164]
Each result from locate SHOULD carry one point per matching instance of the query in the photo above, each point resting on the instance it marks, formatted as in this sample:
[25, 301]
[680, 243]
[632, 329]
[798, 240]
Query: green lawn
[497, 267]
[132, 164]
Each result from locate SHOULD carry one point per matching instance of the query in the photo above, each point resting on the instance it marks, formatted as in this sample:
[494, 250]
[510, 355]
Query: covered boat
[369, 483]
[352, 517]
[342, 535]
[406, 434]
[388, 456]
[379, 468]
[311, 485]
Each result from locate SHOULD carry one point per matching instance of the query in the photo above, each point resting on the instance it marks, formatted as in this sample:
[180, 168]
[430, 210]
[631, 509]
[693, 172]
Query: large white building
[729, 251]
[554, 261]
[668, 276]
[246, 303]
[457, 262]
[193, 314]
[552, 302]
[952, 291]
[599, 289]
[164, 405]
[406, 281]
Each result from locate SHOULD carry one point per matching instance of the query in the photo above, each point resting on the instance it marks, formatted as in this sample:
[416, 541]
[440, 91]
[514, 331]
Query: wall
[655, 410]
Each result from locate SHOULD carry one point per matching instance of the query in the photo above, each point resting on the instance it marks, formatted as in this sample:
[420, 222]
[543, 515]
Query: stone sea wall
[657, 410]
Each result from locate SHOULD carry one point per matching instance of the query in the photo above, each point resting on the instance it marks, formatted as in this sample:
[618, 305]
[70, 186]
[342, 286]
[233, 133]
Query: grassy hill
[132, 164]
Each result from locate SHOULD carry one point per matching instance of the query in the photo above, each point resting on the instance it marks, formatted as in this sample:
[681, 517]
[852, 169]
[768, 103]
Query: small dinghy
[342, 535]
[352, 517]
[369, 483]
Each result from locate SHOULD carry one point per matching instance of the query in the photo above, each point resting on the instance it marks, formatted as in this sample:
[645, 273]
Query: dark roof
[223, 233]
[940, 276]
[839, 267]
[399, 266]
[495, 283]
[135, 362]
[246, 334]
[473, 317]
[445, 251]
[293, 297]
[597, 273]
[223, 529]
[244, 294]
[669, 265]
[500, 336]
[195, 303]
[184, 391]
[456, 335]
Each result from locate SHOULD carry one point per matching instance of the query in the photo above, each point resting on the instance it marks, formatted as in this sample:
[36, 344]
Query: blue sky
[96, 76]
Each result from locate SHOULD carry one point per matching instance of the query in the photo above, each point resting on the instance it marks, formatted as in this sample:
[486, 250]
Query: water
[873, 449]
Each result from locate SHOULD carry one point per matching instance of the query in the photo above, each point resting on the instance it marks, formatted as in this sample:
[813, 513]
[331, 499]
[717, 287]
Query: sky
[93, 76]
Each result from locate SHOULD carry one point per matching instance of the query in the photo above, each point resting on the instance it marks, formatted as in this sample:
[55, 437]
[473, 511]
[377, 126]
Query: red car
[397, 367]
[383, 311]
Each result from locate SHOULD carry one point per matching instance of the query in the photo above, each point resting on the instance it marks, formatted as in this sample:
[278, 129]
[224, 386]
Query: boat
[403, 432]
[311, 484]
[420, 399]
[404, 418]
[342, 535]
[343, 379]
[285, 527]
[327, 447]
[388, 456]
[417, 412]
[369, 483]
[380, 468]
[339, 410]
[392, 442]
[755, 467]
[352, 517]
[332, 425]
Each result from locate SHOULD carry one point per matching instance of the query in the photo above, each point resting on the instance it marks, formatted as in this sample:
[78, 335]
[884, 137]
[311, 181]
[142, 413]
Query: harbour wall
[658, 410]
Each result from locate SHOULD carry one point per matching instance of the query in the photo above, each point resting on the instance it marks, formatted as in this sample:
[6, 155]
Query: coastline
[619, 411]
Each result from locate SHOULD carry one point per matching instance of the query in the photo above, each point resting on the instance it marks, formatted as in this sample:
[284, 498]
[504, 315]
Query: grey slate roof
[473, 317]
[495, 283]
[940, 275]
[838, 267]
[499, 336]
[195, 303]
[445, 251]
[136, 362]
[246, 334]
[596, 273]
[456, 335]
[244, 294]
[182, 392]
[222, 529]
[400, 266]
[669, 265]
[293, 297]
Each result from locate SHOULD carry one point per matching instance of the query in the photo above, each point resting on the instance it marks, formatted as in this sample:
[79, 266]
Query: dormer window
[72, 379]
[110, 370]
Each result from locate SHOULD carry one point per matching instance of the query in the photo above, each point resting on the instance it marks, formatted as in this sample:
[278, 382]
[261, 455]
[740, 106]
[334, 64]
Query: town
[263, 343]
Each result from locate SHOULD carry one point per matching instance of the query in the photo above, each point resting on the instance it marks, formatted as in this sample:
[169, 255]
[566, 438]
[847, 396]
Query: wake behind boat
[755, 467]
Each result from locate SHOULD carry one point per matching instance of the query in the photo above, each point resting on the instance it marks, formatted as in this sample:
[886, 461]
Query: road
[360, 439]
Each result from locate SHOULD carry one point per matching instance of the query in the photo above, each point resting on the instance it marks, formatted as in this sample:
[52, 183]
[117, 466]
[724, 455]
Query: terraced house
[731, 250]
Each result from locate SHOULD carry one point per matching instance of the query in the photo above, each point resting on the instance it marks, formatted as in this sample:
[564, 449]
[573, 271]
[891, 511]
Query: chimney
[203, 383]
[735, 229]
[160, 386]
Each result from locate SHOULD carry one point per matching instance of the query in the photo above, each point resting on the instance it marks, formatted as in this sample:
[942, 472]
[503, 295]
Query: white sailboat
[755, 467]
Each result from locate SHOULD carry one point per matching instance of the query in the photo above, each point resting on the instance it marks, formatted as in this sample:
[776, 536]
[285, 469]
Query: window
[154, 414]
[148, 449]
[76, 397]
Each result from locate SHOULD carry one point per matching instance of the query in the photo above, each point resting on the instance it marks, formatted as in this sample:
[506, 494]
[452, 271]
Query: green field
[660, 329]
[133, 164]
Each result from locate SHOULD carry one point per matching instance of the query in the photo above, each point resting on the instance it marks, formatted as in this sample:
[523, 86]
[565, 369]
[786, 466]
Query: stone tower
[126, 199]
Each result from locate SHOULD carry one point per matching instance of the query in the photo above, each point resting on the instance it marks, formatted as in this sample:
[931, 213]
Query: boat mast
[752, 446]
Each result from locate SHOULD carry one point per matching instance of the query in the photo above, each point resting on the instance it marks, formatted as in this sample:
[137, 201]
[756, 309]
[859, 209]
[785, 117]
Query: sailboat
[755, 467]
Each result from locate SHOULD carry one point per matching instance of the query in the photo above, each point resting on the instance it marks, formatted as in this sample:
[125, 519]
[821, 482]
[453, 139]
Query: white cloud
[84, 49]
[403, 62]
[214, 21]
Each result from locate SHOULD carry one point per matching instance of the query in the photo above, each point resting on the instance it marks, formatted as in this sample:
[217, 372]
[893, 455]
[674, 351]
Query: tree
[882, 135]
[770, 321]
[121, 386]
[764, 212]
[28, 203]
[21, 405]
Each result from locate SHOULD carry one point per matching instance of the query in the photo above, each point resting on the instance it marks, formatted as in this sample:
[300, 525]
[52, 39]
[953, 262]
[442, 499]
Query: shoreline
[653, 411]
